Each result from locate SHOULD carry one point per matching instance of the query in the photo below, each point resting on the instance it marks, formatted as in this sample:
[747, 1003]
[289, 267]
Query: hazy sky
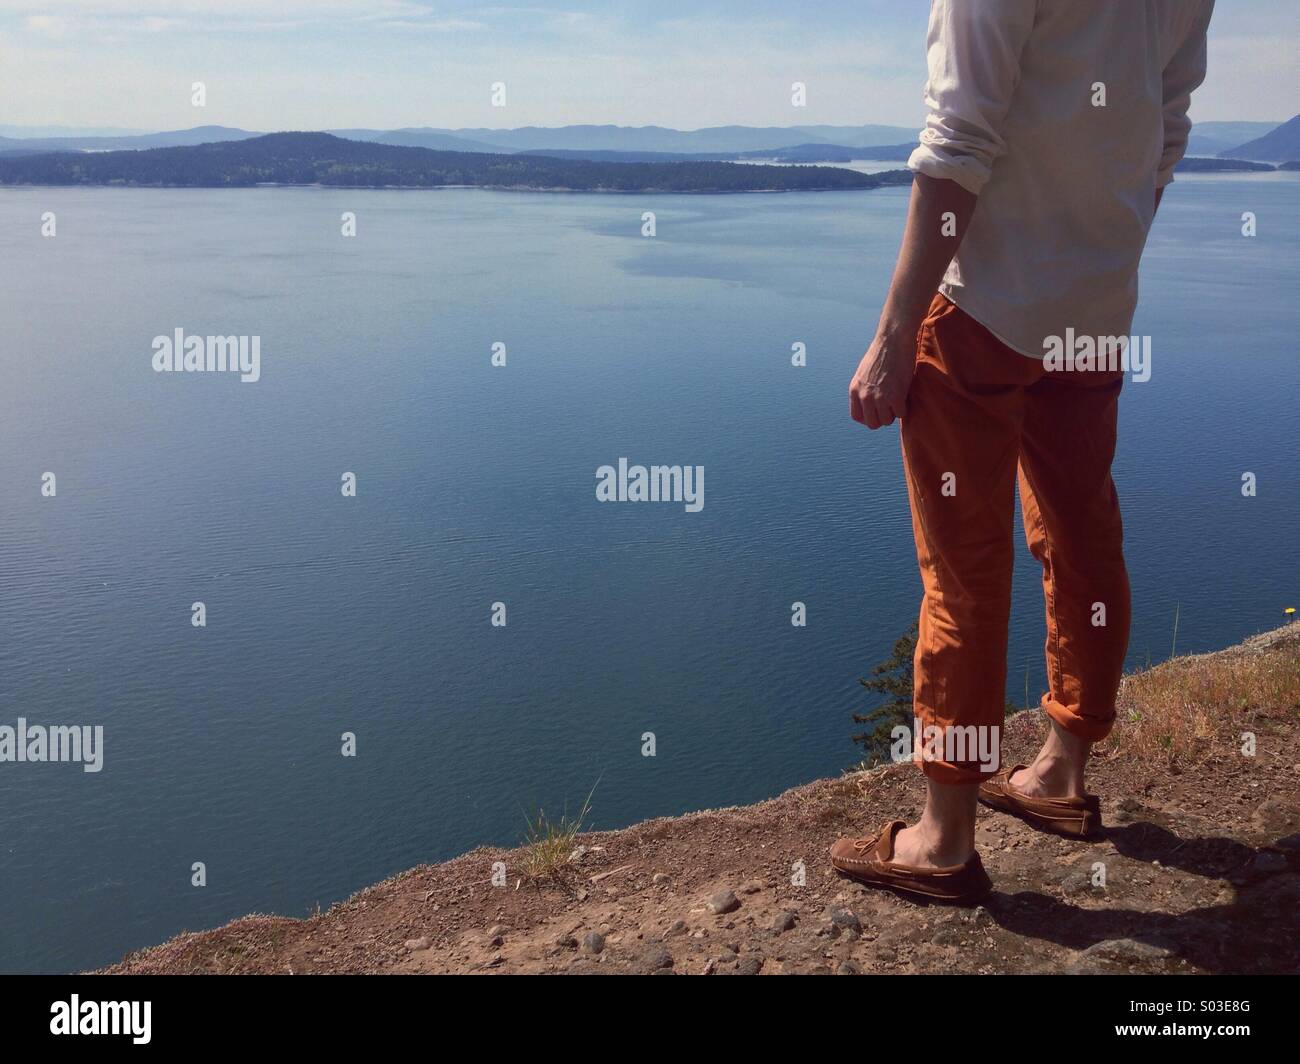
[311, 64]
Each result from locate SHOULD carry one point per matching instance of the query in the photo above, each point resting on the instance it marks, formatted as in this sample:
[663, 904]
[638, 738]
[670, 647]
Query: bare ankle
[945, 834]
[1057, 771]
[926, 845]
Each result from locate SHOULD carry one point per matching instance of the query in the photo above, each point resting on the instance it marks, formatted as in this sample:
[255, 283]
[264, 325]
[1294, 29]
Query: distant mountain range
[1261, 141]
[655, 138]
[174, 138]
[1279, 145]
[69, 131]
[323, 159]
[1194, 164]
[799, 153]
[1211, 138]
[699, 142]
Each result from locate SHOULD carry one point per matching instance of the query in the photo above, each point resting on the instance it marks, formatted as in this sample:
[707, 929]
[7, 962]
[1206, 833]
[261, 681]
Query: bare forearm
[937, 217]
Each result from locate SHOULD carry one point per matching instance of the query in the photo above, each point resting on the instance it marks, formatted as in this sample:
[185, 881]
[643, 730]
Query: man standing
[1053, 128]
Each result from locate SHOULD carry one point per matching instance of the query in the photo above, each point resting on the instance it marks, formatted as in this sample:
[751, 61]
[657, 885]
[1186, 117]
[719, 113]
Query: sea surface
[372, 614]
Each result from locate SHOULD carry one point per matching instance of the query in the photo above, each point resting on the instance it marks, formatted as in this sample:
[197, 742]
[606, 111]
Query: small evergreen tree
[892, 678]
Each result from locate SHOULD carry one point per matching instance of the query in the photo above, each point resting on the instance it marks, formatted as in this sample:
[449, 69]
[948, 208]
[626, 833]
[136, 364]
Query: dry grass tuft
[1180, 713]
[548, 843]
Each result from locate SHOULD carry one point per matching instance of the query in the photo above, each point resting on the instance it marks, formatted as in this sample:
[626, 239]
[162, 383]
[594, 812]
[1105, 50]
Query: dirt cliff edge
[1198, 870]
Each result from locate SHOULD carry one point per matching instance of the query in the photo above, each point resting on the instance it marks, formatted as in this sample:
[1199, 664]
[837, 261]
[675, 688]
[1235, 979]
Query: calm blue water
[476, 484]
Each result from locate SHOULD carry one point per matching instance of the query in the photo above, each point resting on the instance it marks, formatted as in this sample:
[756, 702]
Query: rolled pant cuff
[1089, 729]
[949, 775]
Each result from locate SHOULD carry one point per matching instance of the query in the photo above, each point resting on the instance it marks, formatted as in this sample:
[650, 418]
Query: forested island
[1201, 165]
[323, 159]
[799, 153]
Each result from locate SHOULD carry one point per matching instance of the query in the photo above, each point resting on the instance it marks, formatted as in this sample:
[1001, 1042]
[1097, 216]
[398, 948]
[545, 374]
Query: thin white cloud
[437, 25]
[391, 63]
[63, 17]
[270, 10]
[49, 25]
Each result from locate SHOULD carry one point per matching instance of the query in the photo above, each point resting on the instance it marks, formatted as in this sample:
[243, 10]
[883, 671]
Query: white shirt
[1066, 184]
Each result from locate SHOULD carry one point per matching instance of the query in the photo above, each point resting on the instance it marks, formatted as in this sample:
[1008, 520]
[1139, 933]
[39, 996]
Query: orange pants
[976, 411]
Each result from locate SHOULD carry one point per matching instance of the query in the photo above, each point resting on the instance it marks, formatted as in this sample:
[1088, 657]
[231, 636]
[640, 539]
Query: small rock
[659, 878]
[725, 901]
[678, 928]
[710, 967]
[947, 936]
[752, 887]
[847, 968]
[751, 965]
[784, 922]
[497, 941]
[566, 942]
[1125, 809]
[1122, 952]
[593, 942]
[495, 961]
[845, 919]
[657, 960]
[414, 944]
[496, 931]
[1277, 815]
[578, 854]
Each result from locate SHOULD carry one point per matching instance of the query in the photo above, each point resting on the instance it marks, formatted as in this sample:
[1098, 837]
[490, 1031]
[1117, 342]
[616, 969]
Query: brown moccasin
[1075, 818]
[870, 861]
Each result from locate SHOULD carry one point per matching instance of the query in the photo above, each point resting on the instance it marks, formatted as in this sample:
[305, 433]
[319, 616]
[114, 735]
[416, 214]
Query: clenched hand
[878, 390]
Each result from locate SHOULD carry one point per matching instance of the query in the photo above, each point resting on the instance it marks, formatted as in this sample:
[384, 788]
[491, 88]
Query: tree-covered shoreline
[322, 159]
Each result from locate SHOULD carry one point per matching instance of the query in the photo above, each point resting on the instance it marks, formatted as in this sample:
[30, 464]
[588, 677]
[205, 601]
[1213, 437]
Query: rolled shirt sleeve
[973, 50]
[1182, 74]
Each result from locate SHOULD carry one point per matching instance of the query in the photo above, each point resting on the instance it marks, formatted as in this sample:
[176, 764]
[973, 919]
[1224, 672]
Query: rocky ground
[1198, 870]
